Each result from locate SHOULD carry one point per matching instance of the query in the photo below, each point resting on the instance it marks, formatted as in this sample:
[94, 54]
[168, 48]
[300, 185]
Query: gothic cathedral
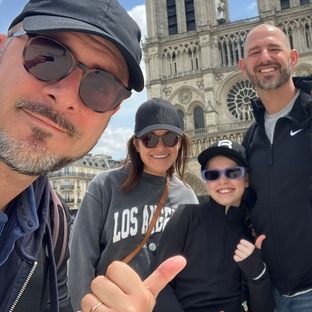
[191, 55]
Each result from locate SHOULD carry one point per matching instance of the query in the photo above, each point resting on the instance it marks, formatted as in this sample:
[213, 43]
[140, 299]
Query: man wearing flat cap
[65, 68]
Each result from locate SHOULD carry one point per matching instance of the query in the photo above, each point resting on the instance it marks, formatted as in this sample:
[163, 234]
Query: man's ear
[242, 66]
[294, 58]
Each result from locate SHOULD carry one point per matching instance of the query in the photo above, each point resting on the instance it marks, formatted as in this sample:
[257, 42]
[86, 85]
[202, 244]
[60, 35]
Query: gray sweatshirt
[110, 223]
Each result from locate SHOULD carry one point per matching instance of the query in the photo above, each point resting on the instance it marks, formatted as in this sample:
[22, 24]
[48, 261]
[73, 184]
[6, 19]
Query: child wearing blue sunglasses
[224, 270]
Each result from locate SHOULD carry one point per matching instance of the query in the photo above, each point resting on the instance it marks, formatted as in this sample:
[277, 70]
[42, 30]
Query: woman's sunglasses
[151, 140]
[230, 173]
[48, 60]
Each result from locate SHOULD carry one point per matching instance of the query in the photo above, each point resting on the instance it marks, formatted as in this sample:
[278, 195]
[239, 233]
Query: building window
[285, 4]
[172, 17]
[67, 197]
[190, 15]
[303, 2]
[308, 35]
[173, 64]
[193, 59]
[199, 122]
[181, 118]
[289, 34]
[231, 48]
[238, 100]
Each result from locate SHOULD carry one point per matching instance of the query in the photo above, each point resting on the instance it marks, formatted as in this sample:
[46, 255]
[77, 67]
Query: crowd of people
[141, 241]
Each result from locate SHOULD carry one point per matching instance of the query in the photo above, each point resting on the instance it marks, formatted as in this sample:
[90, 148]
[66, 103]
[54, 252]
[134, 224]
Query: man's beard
[31, 157]
[269, 83]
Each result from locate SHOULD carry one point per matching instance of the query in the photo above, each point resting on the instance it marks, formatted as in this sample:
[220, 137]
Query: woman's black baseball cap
[157, 114]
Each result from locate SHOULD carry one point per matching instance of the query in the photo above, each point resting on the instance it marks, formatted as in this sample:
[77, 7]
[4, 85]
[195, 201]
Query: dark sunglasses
[230, 173]
[48, 60]
[151, 140]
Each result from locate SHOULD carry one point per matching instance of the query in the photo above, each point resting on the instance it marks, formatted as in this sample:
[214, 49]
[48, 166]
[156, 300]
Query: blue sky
[113, 141]
[238, 9]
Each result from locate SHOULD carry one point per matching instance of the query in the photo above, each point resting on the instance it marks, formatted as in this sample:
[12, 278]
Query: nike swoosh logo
[292, 132]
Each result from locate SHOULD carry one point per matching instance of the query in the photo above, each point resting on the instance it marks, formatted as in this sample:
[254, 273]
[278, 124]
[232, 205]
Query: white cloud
[236, 11]
[114, 142]
[253, 7]
[114, 139]
[138, 13]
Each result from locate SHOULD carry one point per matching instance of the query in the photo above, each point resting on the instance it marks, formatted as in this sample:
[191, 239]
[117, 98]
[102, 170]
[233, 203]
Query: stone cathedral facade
[191, 55]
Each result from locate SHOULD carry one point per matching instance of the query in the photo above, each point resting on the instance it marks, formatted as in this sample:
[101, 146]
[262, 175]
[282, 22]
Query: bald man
[279, 154]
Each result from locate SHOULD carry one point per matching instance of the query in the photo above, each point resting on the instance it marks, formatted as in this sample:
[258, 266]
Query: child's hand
[248, 258]
[245, 248]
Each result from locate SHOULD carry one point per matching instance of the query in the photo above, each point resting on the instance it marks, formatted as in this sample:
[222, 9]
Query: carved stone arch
[232, 36]
[194, 46]
[225, 85]
[195, 104]
[182, 115]
[196, 95]
[171, 52]
[176, 48]
[196, 120]
[186, 97]
[185, 48]
[296, 24]
[179, 107]
[305, 21]
[179, 51]
[165, 53]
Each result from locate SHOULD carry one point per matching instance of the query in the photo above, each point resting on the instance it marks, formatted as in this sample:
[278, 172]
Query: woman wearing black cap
[118, 207]
[207, 236]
